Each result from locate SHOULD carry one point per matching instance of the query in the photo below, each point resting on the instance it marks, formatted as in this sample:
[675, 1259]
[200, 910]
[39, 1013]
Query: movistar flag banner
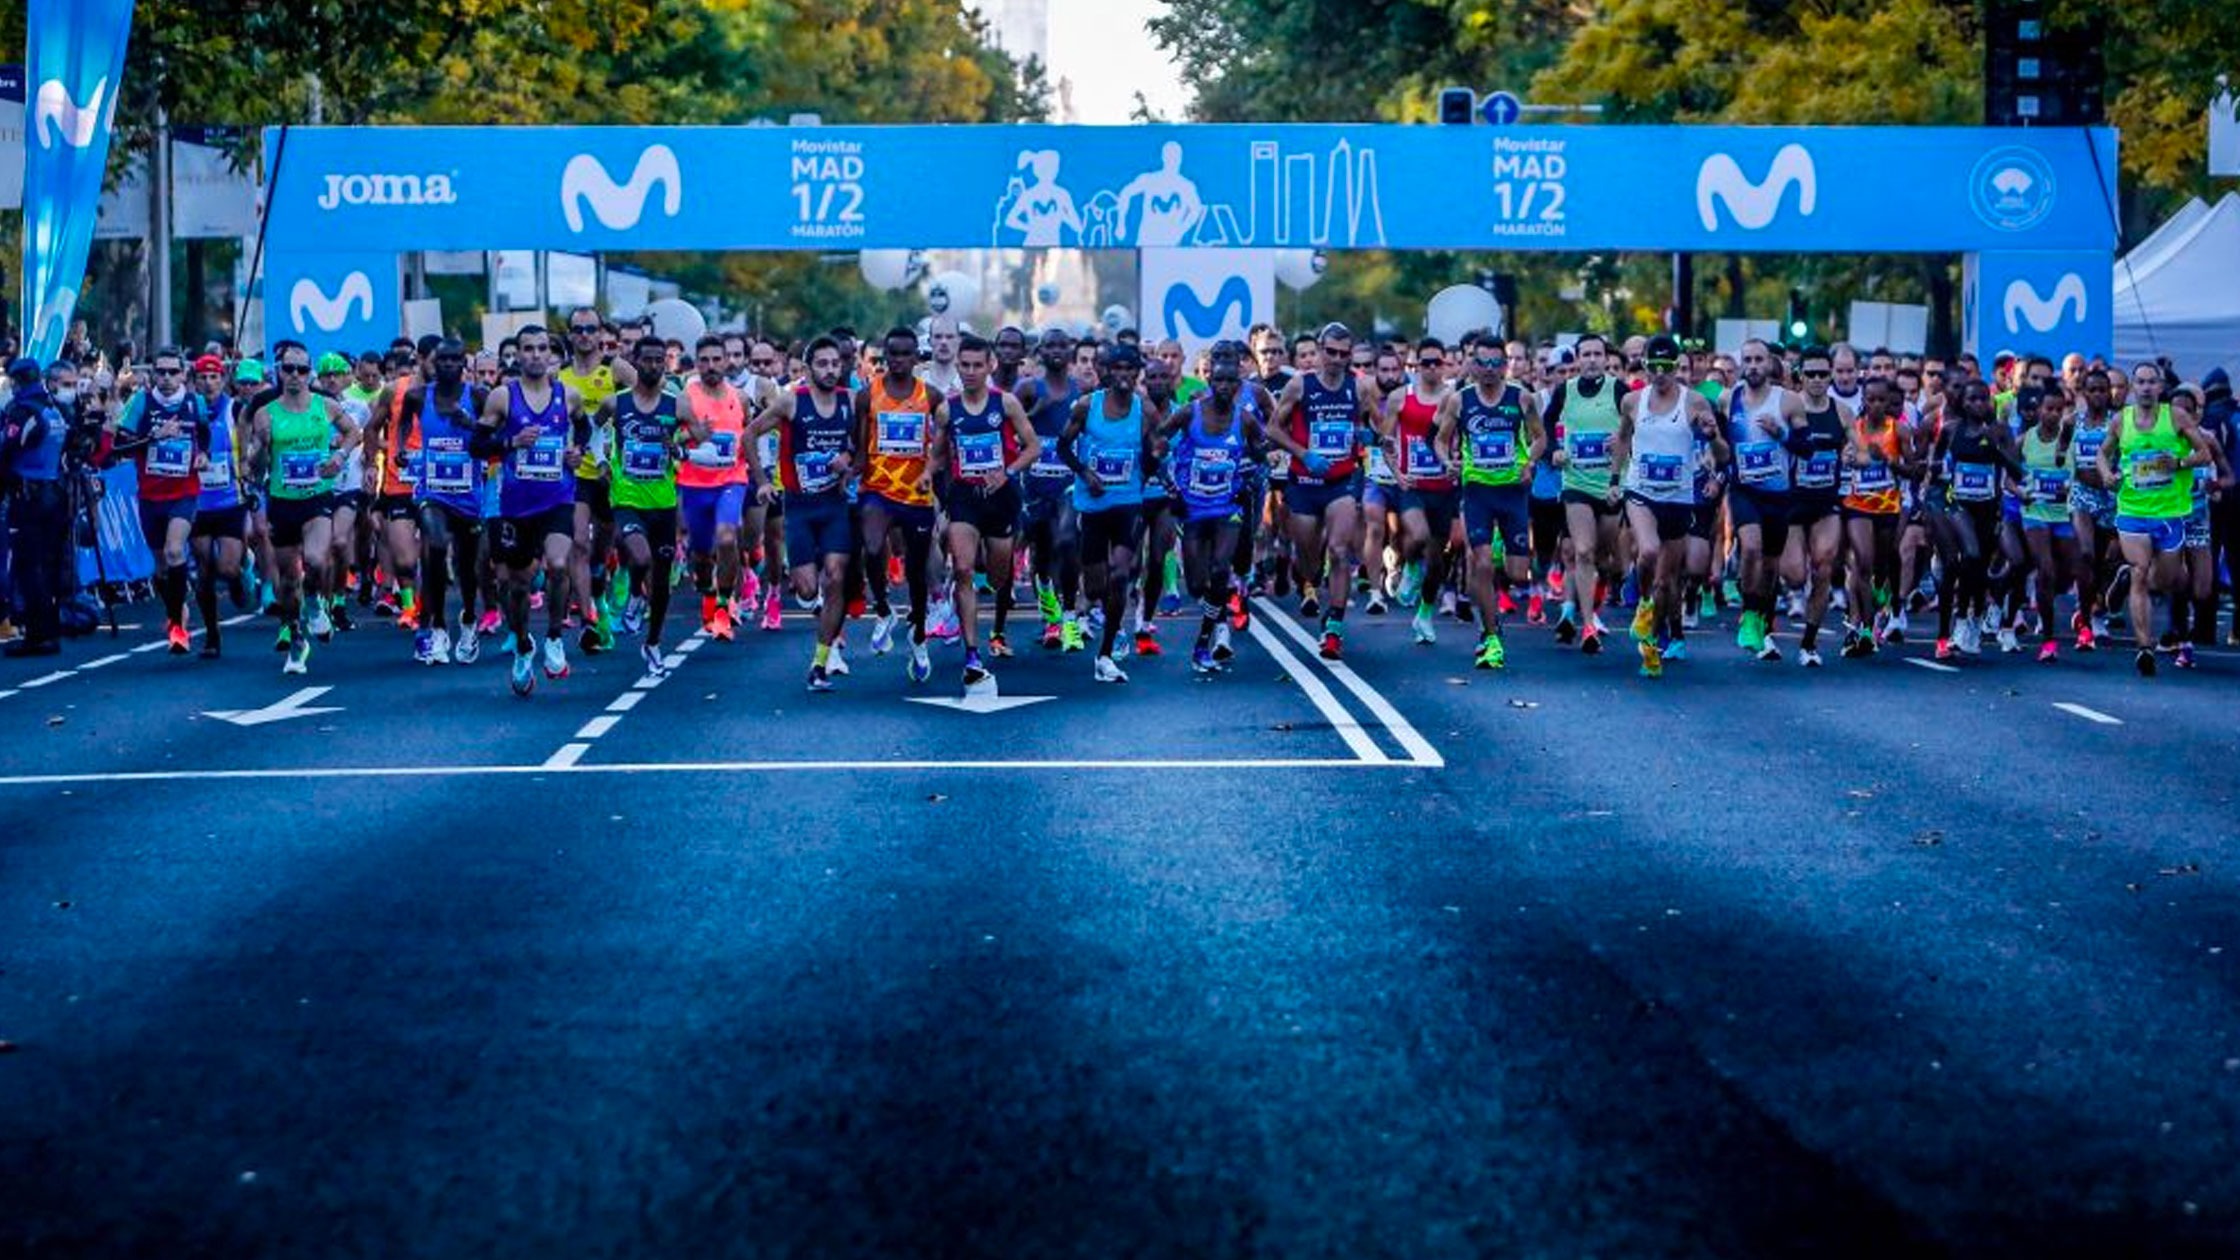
[1200, 296]
[345, 302]
[74, 69]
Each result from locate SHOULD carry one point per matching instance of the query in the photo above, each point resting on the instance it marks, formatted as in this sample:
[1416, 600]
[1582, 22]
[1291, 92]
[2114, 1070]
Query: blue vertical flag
[73, 74]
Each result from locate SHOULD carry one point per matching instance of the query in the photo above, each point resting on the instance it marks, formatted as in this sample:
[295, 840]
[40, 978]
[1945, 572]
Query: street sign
[277, 711]
[1500, 108]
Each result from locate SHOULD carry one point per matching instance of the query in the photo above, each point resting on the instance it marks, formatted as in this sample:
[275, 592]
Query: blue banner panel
[2048, 303]
[346, 302]
[77, 58]
[1818, 189]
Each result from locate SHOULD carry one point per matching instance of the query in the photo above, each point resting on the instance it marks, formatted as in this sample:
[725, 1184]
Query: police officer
[32, 434]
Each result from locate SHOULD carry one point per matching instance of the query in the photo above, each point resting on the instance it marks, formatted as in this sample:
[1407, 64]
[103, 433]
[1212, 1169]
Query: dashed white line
[44, 679]
[2089, 715]
[5, 694]
[103, 661]
[568, 755]
[1419, 748]
[598, 726]
[625, 702]
[695, 768]
[691, 645]
[1930, 665]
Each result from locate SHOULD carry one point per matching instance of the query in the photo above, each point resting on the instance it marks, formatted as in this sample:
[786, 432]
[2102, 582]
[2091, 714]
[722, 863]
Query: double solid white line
[1420, 752]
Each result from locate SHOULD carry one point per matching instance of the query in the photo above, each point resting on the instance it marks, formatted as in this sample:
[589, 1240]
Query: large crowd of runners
[561, 488]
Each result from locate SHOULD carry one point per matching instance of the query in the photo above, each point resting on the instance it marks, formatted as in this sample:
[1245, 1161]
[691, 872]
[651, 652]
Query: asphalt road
[1399, 959]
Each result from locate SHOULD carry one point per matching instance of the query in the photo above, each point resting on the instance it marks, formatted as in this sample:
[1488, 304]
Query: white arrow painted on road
[989, 703]
[277, 711]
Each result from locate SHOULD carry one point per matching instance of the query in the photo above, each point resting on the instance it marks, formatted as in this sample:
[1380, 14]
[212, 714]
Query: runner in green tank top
[2049, 470]
[2146, 450]
[301, 440]
[1585, 412]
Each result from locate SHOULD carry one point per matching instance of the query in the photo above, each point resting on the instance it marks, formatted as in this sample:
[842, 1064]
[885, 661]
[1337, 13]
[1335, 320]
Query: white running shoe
[1967, 635]
[470, 642]
[882, 633]
[318, 622]
[2007, 640]
[835, 664]
[555, 658]
[439, 648]
[1422, 628]
[1223, 653]
[1108, 671]
[1809, 658]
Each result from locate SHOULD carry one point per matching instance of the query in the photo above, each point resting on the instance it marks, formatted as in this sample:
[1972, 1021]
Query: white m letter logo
[2023, 305]
[618, 206]
[311, 308]
[1753, 205]
[57, 116]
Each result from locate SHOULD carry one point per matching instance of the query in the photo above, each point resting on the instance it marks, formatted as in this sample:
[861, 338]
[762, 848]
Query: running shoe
[1223, 652]
[2009, 643]
[286, 638]
[2184, 659]
[1422, 628]
[176, 635]
[1491, 653]
[975, 673]
[1376, 607]
[1536, 610]
[1708, 607]
[555, 658]
[341, 616]
[836, 661]
[1555, 582]
[1677, 650]
[1590, 643]
[387, 605]
[491, 621]
[1051, 635]
[719, 627]
[318, 622]
[1898, 627]
[942, 624]
[2086, 639]
[1768, 650]
[750, 589]
[1566, 630]
[1069, 635]
[1108, 671]
[1411, 584]
[1809, 658]
[523, 679]
[2144, 662]
[1750, 631]
[819, 678]
[1309, 606]
[882, 633]
[1945, 651]
[921, 665]
[656, 665]
[2049, 652]
[773, 612]
[1968, 636]
[1652, 659]
[408, 618]
[1645, 620]
[1046, 598]
[1147, 640]
[299, 657]
[597, 637]
[1201, 661]
[1333, 647]
[1094, 623]
[1240, 614]
[634, 616]
[424, 647]
[439, 648]
[469, 649]
[999, 645]
[1856, 645]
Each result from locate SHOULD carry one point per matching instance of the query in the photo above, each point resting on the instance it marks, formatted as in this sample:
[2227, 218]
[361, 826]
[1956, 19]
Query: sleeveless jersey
[167, 463]
[1049, 413]
[2049, 474]
[1492, 437]
[1208, 467]
[301, 443]
[726, 418]
[2151, 487]
[1873, 487]
[1816, 459]
[594, 387]
[537, 477]
[1588, 425]
[1326, 422]
[221, 479]
[1414, 434]
[445, 471]
[1760, 464]
[901, 435]
[808, 442]
[1663, 444]
[981, 442]
[1113, 449]
[643, 466]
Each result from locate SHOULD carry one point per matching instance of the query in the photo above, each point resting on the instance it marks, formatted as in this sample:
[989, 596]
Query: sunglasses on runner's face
[1430, 363]
[1815, 374]
[584, 330]
[1663, 365]
[295, 369]
[1485, 361]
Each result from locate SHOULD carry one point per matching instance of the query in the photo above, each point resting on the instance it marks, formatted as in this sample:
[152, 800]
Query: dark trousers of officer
[38, 546]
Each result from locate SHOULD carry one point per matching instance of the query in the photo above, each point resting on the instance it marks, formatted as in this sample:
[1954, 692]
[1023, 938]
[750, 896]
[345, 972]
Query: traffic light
[1798, 324]
[2037, 75]
[1458, 106]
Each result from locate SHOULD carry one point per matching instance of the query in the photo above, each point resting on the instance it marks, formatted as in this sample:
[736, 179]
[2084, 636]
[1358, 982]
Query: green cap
[249, 370]
[331, 362]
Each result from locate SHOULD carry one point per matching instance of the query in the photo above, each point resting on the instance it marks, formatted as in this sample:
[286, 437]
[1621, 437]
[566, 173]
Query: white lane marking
[1418, 747]
[5, 694]
[674, 660]
[156, 646]
[649, 681]
[568, 755]
[691, 645]
[2089, 715]
[236, 620]
[703, 767]
[625, 702]
[598, 726]
[1341, 719]
[44, 679]
[104, 661]
[1930, 665]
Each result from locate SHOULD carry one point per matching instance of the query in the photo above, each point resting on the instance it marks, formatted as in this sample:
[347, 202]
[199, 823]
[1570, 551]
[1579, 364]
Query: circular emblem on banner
[2012, 188]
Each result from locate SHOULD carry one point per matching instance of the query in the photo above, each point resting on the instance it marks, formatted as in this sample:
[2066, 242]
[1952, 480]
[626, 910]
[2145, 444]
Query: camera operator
[33, 433]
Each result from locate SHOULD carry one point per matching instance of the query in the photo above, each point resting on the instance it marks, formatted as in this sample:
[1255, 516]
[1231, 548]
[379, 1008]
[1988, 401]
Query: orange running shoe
[177, 634]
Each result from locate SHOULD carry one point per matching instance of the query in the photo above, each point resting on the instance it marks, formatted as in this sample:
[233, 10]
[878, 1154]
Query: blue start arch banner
[1818, 189]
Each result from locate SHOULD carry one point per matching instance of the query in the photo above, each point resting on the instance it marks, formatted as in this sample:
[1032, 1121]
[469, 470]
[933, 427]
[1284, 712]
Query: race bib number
[981, 454]
[1114, 466]
[2088, 445]
[726, 444]
[1661, 472]
[1875, 476]
[2049, 485]
[2152, 470]
[645, 461]
[1331, 438]
[299, 471]
[1971, 481]
[171, 457]
[540, 462]
[1589, 450]
[766, 451]
[1498, 449]
[1757, 461]
[812, 470]
[1213, 474]
[1818, 472]
[1279, 463]
[218, 473]
[1380, 468]
[1423, 458]
[902, 433]
[1046, 461]
[448, 471]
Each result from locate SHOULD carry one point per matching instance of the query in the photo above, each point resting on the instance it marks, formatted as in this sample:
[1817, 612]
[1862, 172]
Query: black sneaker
[2145, 662]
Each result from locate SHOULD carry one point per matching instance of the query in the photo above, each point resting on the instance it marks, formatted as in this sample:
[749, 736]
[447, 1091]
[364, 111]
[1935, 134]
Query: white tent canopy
[2175, 294]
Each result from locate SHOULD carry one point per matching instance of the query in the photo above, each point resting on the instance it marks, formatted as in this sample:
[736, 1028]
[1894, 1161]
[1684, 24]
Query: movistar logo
[2023, 305]
[387, 190]
[1231, 308]
[54, 324]
[56, 116]
[618, 206]
[1753, 204]
[309, 306]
